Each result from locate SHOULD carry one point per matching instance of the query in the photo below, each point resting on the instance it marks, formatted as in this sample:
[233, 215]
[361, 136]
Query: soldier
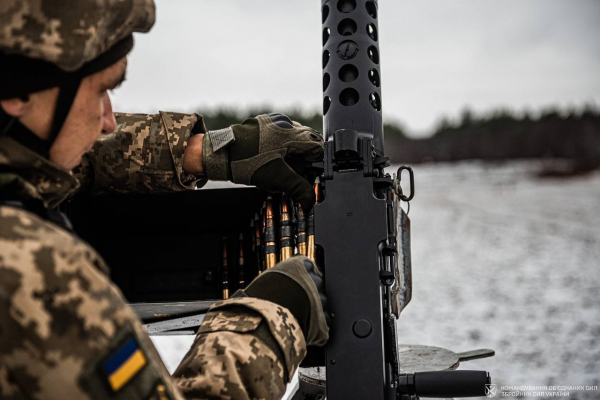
[65, 330]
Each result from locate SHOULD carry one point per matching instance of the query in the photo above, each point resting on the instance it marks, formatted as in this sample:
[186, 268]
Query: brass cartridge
[318, 192]
[270, 240]
[286, 229]
[301, 229]
[224, 271]
[310, 228]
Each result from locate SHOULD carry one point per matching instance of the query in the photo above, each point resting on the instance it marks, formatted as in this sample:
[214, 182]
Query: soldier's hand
[255, 153]
[297, 284]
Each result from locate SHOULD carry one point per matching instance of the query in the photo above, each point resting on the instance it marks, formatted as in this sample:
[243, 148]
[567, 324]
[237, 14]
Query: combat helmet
[56, 43]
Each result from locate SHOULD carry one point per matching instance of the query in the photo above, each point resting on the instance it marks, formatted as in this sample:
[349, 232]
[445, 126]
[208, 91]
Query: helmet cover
[69, 34]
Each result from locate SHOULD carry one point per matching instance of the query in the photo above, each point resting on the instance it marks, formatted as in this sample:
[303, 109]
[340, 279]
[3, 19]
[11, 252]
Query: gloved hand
[297, 285]
[254, 153]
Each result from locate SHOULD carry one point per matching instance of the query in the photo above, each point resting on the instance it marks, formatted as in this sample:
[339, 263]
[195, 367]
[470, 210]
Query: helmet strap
[66, 97]
[13, 128]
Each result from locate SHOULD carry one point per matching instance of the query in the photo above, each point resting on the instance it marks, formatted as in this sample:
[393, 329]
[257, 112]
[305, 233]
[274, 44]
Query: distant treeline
[498, 135]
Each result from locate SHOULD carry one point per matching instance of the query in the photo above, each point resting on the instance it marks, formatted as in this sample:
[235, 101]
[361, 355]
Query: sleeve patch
[124, 364]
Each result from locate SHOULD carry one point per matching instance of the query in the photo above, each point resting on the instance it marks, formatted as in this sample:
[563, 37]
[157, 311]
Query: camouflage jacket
[144, 154]
[65, 329]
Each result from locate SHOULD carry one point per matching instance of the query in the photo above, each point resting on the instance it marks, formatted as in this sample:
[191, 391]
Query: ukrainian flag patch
[124, 364]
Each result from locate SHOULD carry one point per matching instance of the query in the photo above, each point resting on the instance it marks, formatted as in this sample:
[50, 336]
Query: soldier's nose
[109, 124]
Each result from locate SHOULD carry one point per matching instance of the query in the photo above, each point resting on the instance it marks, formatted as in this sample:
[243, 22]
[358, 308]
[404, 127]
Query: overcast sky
[437, 56]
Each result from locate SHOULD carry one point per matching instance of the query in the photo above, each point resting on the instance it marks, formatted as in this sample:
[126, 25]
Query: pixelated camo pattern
[59, 314]
[229, 361]
[144, 154]
[30, 176]
[282, 324]
[70, 33]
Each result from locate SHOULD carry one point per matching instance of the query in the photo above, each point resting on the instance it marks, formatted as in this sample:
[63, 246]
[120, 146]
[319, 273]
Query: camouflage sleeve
[65, 330]
[246, 348]
[144, 154]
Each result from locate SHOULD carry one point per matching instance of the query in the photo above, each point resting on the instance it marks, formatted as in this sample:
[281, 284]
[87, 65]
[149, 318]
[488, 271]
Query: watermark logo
[537, 391]
[490, 390]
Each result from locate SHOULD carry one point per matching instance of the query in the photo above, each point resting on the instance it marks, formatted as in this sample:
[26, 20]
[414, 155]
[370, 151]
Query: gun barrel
[351, 70]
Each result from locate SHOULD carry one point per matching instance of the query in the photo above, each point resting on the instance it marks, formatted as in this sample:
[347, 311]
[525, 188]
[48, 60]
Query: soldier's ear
[15, 107]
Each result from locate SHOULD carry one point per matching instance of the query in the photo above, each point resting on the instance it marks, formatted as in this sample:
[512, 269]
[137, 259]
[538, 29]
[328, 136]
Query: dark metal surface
[349, 225]
[349, 69]
[311, 384]
[167, 247]
[438, 384]
[413, 358]
[398, 187]
[176, 318]
[475, 354]
[178, 326]
[154, 312]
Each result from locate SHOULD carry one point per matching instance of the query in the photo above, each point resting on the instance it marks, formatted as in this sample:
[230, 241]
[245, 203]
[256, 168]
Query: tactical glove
[253, 153]
[297, 285]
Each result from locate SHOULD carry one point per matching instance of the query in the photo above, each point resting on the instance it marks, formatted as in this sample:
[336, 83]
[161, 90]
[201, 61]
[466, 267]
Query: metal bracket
[398, 187]
[178, 326]
[387, 277]
[328, 161]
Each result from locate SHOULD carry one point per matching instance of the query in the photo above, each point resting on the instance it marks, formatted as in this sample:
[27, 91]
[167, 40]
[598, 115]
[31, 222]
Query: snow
[501, 260]
[507, 261]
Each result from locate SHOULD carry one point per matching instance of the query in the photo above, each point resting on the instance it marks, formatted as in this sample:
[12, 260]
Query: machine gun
[361, 236]
[360, 229]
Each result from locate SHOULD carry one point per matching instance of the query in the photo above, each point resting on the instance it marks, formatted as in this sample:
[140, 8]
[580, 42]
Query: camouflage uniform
[65, 330]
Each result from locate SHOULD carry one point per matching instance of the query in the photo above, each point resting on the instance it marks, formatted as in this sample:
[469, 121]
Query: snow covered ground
[508, 261]
[502, 260]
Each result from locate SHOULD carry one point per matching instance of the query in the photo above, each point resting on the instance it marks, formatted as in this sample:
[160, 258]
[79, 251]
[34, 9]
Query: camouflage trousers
[67, 333]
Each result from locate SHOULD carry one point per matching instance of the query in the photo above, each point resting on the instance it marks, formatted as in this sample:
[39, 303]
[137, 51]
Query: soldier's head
[58, 60]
